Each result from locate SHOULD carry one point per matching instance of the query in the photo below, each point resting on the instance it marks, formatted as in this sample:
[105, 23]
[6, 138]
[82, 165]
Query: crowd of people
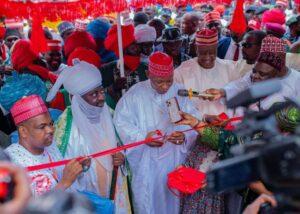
[73, 100]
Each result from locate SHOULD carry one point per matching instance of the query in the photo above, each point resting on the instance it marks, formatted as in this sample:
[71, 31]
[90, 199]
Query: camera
[6, 180]
[273, 158]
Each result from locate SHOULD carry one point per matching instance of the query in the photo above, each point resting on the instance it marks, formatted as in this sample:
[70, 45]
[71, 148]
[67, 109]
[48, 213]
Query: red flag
[238, 23]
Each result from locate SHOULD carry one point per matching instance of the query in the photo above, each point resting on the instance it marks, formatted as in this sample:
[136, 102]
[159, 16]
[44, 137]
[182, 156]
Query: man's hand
[212, 119]
[22, 192]
[70, 173]
[155, 143]
[217, 94]
[255, 206]
[118, 159]
[188, 120]
[176, 138]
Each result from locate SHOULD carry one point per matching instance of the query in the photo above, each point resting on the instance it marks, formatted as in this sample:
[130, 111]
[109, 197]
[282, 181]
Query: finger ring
[177, 142]
[85, 168]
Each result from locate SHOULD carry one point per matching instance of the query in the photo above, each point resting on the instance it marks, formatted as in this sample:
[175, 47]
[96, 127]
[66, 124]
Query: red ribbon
[95, 155]
[121, 148]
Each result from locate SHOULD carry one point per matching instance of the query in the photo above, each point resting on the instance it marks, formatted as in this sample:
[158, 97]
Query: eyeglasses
[248, 45]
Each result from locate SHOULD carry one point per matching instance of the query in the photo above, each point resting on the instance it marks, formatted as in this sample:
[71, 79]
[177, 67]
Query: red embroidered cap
[160, 65]
[27, 108]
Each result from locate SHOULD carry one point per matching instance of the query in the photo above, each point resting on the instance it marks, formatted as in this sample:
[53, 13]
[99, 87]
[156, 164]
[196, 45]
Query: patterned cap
[161, 65]
[272, 52]
[27, 108]
[212, 17]
[207, 37]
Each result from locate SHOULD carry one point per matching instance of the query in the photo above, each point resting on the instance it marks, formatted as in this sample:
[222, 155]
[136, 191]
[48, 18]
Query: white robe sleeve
[127, 125]
[237, 86]
[237, 69]
[178, 78]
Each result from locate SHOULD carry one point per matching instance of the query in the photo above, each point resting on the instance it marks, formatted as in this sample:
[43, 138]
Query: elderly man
[86, 127]
[141, 111]
[36, 130]
[206, 70]
[172, 40]
[271, 63]
[145, 37]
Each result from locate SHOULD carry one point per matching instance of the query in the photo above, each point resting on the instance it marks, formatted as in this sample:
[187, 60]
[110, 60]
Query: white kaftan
[193, 76]
[140, 111]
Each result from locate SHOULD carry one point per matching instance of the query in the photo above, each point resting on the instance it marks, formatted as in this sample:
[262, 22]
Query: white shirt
[231, 50]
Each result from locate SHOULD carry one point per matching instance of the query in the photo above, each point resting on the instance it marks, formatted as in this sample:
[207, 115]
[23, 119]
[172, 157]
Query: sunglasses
[248, 45]
[213, 25]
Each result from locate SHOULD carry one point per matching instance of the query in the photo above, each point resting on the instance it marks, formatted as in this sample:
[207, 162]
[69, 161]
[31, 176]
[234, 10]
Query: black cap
[171, 34]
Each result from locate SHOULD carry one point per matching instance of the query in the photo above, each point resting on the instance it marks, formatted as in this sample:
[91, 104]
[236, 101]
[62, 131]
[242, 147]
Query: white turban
[77, 80]
[144, 33]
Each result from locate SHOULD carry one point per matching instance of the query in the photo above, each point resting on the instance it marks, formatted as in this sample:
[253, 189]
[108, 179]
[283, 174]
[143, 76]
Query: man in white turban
[145, 37]
[85, 128]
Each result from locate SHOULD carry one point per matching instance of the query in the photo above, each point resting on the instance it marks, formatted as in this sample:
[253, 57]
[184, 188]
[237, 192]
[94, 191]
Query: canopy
[74, 9]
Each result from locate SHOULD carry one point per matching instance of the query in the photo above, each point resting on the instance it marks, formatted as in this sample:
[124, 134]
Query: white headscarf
[94, 123]
[77, 80]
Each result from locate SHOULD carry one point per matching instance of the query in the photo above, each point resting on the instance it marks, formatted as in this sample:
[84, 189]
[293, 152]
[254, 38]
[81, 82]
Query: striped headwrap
[213, 16]
[207, 37]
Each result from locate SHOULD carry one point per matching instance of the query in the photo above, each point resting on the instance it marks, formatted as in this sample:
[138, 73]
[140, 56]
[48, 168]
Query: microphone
[191, 93]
